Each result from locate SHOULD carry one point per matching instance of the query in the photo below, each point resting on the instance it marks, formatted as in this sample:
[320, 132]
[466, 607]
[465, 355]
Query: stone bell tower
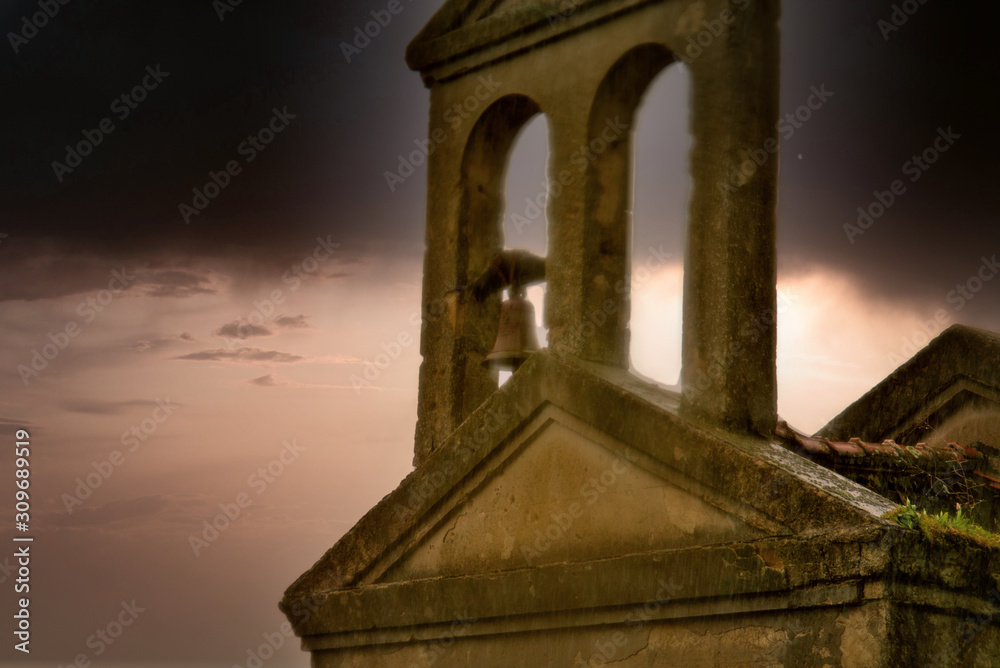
[584, 65]
[578, 516]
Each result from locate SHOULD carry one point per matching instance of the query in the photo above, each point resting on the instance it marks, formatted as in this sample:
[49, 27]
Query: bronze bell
[516, 338]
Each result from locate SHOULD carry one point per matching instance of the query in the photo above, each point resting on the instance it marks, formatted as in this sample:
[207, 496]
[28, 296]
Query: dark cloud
[242, 330]
[219, 84]
[245, 355]
[44, 269]
[323, 175]
[146, 345]
[267, 380]
[894, 90]
[177, 283]
[293, 321]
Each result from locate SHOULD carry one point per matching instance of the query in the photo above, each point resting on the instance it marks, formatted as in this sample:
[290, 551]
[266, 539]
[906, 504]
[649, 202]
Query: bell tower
[483, 91]
[578, 515]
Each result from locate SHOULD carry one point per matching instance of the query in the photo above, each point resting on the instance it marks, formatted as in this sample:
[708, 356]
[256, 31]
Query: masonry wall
[849, 637]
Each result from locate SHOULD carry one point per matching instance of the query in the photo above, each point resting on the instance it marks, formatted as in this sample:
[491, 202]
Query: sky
[177, 355]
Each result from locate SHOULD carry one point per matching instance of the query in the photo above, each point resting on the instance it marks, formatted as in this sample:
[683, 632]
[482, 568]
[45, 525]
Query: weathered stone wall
[852, 637]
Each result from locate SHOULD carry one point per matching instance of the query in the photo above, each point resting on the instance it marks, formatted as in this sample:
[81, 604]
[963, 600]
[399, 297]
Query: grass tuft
[934, 527]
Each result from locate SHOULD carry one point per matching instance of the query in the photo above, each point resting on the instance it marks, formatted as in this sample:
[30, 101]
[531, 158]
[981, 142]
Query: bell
[516, 338]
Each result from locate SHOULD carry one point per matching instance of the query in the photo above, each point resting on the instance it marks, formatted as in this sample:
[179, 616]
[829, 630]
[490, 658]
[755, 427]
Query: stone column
[729, 334]
[587, 301]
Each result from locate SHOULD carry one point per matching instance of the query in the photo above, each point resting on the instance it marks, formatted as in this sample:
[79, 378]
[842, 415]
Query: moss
[942, 525]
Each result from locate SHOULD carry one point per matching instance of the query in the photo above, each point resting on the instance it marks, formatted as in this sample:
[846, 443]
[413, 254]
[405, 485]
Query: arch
[661, 186]
[480, 235]
[608, 201]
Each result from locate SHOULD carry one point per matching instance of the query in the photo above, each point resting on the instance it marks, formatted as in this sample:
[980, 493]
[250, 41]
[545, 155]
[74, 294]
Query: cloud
[177, 283]
[9, 425]
[146, 345]
[293, 321]
[49, 269]
[245, 355]
[93, 407]
[242, 330]
[112, 512]
[270, 380]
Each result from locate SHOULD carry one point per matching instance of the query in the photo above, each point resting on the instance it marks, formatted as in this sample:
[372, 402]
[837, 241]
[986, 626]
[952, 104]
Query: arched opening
[481, 232]
[526, 213]
[662, 187]
[609, 202]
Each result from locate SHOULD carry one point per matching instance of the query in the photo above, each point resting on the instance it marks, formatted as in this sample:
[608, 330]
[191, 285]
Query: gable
[687, 485]
[960, 368]
[562, 491]
[462, 27]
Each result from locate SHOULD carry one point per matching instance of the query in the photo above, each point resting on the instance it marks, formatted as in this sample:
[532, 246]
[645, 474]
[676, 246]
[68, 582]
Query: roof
[960, 366]
[481, 30]
[888, 452]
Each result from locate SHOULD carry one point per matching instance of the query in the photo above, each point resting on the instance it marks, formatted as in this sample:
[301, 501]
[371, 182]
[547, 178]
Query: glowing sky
[309, 258]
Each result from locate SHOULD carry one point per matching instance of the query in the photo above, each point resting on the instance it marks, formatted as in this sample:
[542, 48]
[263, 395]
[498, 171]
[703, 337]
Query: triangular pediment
[463, 27]
[517, 465]
[562, 491]
[461, 15]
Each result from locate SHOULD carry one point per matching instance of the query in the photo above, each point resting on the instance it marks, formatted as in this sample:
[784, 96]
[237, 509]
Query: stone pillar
[729, 334]
[574, 275]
